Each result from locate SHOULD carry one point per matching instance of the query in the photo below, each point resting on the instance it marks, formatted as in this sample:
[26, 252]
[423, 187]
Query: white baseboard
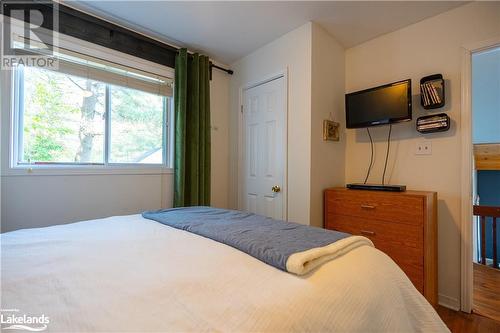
[449, 302]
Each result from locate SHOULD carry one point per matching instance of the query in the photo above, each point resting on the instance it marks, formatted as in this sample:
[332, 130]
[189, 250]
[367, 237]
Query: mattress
[127, 273]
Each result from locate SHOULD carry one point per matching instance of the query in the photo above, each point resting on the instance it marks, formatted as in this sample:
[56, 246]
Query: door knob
[276, 189]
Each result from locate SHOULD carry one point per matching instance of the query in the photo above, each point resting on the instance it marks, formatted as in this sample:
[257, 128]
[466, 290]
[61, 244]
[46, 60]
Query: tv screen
[387, 104]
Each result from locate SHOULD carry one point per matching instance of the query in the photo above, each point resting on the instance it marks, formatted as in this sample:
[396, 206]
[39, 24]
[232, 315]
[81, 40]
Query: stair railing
[483, 212]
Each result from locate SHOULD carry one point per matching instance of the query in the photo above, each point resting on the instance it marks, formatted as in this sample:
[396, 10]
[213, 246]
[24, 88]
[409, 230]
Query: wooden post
[483, 240]
[495, 259]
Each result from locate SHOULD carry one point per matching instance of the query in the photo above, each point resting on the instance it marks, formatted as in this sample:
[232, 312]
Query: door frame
[241, 135]
[466, 274]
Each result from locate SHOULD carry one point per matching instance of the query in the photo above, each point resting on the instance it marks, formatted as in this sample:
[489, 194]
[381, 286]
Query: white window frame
[9, 103]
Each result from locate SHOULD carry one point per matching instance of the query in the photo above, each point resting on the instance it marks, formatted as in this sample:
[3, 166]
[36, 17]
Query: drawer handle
[368, 233]
[367, 207]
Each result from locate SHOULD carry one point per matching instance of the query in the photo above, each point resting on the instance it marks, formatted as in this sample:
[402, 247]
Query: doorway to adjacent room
[485, 102]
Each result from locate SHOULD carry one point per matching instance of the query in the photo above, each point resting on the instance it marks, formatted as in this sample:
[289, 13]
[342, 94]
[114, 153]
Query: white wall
[327, 102]
[486, 96]
[37, 200]
[293, 52]
[316, 78]
[219, 108]
[428, 47]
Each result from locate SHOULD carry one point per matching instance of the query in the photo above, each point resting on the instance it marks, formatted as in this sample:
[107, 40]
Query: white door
[264, 144]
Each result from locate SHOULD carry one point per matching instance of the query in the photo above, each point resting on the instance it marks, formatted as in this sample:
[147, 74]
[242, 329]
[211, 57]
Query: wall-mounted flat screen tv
[387, 104]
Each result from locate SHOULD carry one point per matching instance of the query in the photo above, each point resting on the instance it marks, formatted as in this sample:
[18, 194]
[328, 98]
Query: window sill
[66, 170]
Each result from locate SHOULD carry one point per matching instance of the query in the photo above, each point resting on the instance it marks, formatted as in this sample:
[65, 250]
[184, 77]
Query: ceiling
[229, 30]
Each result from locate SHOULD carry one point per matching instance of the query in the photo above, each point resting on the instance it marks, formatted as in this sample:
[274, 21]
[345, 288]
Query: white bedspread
[132, 274]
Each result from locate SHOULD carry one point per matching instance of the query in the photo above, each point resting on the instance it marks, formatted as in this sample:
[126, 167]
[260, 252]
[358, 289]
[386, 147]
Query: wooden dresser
[401, 224]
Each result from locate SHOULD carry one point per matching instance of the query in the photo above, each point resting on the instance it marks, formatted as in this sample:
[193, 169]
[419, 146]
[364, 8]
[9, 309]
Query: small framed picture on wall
[330, 130]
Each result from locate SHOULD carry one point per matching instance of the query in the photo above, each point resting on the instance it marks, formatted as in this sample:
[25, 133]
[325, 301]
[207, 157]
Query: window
[61, 117]
[90, 113]
[136, 126]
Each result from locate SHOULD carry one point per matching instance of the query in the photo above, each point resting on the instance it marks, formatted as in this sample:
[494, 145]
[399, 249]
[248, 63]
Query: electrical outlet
[423, 148]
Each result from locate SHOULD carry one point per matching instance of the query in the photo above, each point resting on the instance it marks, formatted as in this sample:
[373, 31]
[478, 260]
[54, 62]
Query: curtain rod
[228, 71]
[101, 32]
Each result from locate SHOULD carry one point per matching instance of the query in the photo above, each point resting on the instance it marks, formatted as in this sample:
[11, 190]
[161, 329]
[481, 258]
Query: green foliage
[137, 124]
[43, 149]
[44, 120]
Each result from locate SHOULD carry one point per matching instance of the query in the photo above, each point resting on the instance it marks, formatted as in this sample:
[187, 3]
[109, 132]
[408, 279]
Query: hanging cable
[371, 157]
[387, 154]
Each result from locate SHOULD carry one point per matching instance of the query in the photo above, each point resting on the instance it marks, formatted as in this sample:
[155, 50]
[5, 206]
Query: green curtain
[192, 130]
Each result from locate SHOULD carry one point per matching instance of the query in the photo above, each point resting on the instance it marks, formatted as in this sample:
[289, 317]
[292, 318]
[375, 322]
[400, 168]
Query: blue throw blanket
[271, 241]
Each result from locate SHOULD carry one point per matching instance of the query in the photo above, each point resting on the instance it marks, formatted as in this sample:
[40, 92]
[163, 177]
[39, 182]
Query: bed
[128, 273]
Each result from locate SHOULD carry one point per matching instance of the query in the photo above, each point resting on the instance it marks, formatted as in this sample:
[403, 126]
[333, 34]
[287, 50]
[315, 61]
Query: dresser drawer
[403, 243]
[378, 231]
[380, 206]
